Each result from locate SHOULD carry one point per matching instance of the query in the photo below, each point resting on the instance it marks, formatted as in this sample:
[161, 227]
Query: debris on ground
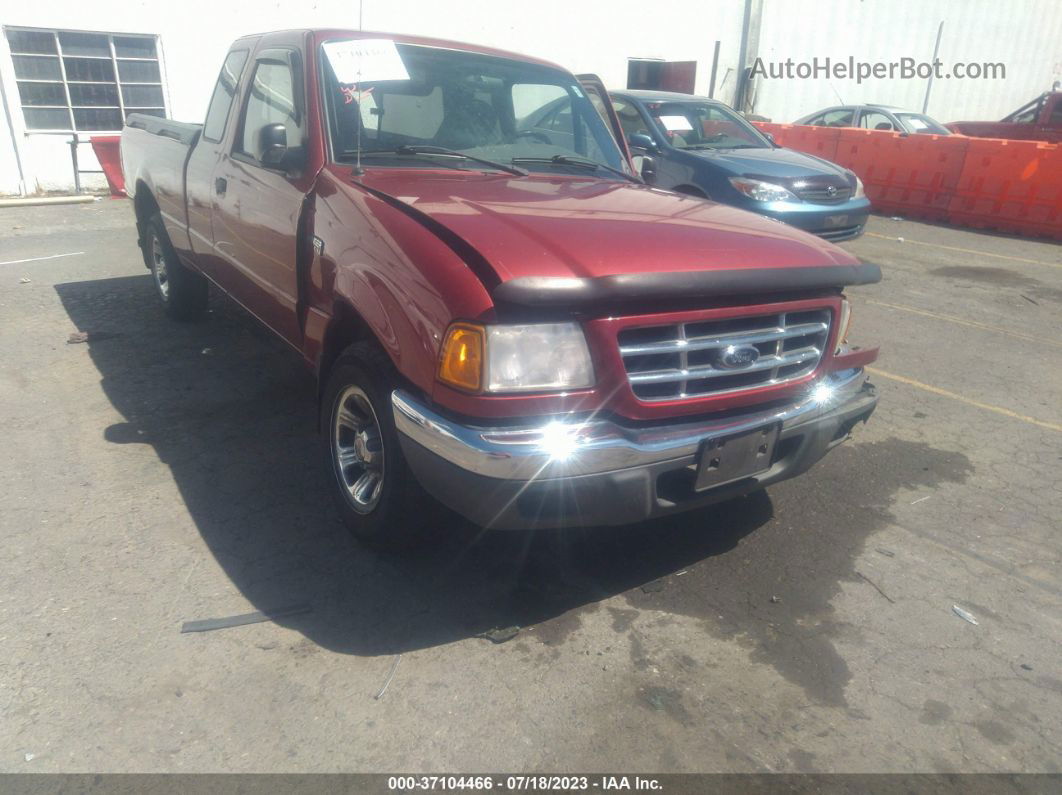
[875, 586]
[207, 351]
[886, 552]
[89, 336]
[921, 499]
[897, 218]
[500, 634]
[965, 616]
[23, 280]
[900, 240]
[1026, 667]
[680, 573]
[653, 587]
[775, 600]
[257, 617]
[390, 676]
[30, 757]
[1027, 298]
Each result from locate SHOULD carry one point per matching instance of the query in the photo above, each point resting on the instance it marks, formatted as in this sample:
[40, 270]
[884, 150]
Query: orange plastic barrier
[915, 175]
[107, 152]
[818, 141]
[1011, 186]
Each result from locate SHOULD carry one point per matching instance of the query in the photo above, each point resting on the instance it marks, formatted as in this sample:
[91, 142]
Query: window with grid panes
[74, 81]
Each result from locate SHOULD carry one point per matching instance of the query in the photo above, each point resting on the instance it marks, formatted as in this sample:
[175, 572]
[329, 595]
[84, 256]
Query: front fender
[400, 279]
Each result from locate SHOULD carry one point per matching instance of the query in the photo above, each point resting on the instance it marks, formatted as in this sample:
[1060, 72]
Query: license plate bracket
[729, 458]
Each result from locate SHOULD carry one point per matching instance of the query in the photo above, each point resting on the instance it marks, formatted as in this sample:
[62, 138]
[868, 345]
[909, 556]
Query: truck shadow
[230, 410]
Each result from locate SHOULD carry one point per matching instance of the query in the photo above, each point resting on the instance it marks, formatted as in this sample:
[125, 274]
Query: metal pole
[936, 50]
[73, 160]
[743, 51]
[22, 188]
[715, 67]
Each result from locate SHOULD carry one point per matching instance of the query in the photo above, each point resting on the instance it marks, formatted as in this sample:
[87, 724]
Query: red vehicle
[503, 316]
[1039, 120]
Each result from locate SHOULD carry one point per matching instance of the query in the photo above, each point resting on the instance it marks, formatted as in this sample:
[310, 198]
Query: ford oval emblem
[831, 190]
[735, 357]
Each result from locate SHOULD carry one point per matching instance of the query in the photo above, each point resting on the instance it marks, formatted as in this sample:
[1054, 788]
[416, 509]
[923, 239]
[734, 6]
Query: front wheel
[183, 292]
[379, 499]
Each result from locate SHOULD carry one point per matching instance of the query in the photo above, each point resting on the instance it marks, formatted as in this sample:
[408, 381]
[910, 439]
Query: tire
[183, 292]
[378, 497]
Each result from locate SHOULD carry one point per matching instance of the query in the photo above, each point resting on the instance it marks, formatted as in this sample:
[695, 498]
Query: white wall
[584, 35]
[1026, 35]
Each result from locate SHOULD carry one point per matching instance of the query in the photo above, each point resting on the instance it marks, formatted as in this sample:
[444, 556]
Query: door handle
[220, 186]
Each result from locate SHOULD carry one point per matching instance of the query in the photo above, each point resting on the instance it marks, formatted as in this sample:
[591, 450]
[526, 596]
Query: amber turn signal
[461, 359]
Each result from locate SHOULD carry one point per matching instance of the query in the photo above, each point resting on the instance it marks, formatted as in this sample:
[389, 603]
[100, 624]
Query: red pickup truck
[500, 313]
[1039, 120]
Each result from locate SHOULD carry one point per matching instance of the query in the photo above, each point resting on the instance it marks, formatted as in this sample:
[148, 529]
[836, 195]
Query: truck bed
[155, 155]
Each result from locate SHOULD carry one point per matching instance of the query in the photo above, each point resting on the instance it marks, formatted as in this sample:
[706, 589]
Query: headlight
[532, 358]
[859, 192]
[760, 191]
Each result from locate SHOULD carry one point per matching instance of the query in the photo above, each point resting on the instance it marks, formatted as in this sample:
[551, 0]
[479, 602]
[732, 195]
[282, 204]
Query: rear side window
[875, 120]
[224, 91]
[1055, 120]
[834, 118]
[272, 101]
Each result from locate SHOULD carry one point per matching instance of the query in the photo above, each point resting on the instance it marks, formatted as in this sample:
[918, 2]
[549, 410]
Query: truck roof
[329, 34]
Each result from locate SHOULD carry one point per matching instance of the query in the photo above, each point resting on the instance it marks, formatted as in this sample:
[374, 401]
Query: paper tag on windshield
[675, 123]
[365, 60]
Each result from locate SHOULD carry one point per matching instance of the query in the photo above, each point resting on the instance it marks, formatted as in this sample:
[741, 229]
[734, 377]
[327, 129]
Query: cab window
[271, 101]
[224, 92]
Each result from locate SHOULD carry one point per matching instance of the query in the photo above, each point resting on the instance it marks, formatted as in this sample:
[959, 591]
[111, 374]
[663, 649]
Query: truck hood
[547, 227]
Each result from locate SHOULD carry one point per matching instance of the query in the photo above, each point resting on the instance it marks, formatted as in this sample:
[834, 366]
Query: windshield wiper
[424, 149]
[583, 162]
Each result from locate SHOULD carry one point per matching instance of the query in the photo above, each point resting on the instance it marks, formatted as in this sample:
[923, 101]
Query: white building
[164, 57]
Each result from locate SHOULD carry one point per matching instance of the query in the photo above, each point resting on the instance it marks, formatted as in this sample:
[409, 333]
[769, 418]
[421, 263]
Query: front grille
[685, 360]
[820, 194]
[837, 235]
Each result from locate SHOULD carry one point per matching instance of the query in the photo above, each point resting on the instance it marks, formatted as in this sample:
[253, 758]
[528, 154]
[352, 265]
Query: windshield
[703, 125]
[917, 123]
[490, 107]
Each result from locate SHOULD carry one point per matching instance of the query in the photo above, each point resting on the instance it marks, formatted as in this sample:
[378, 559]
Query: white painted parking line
[966, 250]
[936, 390]
[38, 259]
[963, 322]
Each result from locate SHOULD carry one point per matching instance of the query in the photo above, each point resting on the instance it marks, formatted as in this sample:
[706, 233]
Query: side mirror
[272, 144]
[274, 151]
[646, 168]
[770, 138]
[642, 141]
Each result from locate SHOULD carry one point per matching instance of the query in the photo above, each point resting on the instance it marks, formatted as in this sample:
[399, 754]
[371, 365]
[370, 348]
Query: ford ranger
[500, 313]
[1038, 120]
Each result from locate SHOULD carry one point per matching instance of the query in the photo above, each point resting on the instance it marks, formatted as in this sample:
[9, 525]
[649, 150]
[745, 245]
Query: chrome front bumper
[610, 472]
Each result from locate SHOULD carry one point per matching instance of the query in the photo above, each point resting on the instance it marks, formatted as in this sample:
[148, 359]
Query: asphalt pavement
[159, 473]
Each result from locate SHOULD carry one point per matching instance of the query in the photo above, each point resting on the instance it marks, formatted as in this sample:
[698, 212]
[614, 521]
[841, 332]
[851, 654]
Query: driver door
[598, 95]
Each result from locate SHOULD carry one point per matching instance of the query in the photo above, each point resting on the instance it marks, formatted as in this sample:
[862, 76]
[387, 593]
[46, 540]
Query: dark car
[875, 117]
[702, 147]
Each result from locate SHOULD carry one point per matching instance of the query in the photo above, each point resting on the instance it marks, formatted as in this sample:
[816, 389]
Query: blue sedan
[701, 147]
